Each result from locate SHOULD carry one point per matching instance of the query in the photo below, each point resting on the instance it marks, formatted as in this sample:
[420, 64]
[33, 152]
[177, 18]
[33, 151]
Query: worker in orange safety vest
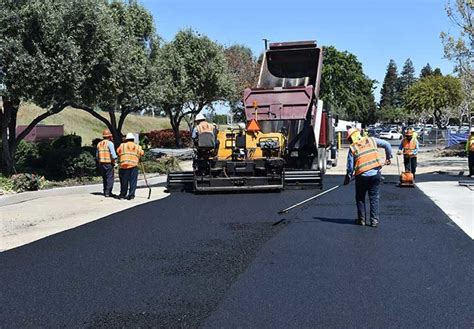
[409, 148]
[470, 151]
[106, 157]
[129, 156]
[363, 161]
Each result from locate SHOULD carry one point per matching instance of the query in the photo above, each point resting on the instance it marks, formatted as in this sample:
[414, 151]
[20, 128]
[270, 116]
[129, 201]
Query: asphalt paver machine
[288, 140]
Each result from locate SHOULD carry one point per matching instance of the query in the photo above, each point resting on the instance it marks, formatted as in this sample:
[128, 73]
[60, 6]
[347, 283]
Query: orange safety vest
[409, 147]
[205, 127]
[366, 155]
[471, 143]
[129, 154]
[104, 152]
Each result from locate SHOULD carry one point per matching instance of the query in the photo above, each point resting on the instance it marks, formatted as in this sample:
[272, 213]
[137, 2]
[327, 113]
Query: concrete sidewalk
[30, 216]
[455, 200]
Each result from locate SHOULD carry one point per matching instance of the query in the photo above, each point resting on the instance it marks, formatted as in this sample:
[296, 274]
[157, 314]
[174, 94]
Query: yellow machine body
[229, 141]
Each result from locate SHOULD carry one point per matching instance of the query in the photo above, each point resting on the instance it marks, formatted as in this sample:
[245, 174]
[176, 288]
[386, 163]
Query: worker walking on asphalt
[409, 148]
[470, 152]
[129, 155]
[106, 157]
[363, 161]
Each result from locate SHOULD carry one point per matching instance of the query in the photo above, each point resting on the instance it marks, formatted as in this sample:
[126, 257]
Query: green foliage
[406, 79]
[345, 86]
[27, 156]
[389, 96]
[161, 165]
[393, 114]
[244, 71]
[433, 95]
[426, 71]
[27, 182]
[80, 166]
[193, 74]
[6, 184]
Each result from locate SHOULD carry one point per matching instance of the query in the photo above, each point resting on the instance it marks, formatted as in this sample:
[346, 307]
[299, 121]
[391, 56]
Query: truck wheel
[322, 160]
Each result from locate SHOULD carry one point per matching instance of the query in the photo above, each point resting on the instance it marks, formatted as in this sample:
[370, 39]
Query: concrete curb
[10, 199]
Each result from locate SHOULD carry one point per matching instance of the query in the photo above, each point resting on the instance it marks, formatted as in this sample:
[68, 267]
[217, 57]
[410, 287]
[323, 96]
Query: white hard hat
[199, 117]
[130, 136]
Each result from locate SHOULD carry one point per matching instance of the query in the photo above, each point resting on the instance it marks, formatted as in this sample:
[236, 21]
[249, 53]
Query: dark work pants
[410, 164]
[107, 172]
[128, 181]
[370, 185]
[471, 163]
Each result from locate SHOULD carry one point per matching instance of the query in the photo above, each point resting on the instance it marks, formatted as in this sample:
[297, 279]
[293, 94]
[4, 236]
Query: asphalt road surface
[217, 261]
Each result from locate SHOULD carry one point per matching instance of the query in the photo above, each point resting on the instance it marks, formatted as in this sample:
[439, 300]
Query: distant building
[42, 133]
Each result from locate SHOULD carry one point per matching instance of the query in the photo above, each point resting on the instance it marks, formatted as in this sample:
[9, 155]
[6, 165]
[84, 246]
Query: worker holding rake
[364, 162]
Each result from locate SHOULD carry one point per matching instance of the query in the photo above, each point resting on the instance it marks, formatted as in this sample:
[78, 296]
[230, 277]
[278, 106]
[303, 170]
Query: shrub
[27, 156]
[27, 182]
[80, 166]
[165, 138]
[161, 165]
[6, 184]
[67, 141]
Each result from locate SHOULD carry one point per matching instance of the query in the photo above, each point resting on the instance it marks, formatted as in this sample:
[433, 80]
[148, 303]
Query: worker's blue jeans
[128, 181]
[370, 185]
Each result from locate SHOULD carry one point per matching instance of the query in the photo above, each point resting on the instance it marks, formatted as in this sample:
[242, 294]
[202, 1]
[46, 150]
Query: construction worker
[203, 128]
[363, 161]
[106, 157]
[129, 155]
[470, 152]
[409, 148]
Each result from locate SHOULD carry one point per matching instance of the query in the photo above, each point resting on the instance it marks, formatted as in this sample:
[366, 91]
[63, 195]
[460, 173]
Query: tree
[88, 54]
[244, 71]
[345, 86]
[426, 71]
[460, 48]
[43, 59]
[406, 79]
[193, 75]
[126, 84]
[389, 93]
[434, 94]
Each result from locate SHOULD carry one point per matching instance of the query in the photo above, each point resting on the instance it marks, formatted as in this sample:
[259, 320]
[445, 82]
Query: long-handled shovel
[146, 181]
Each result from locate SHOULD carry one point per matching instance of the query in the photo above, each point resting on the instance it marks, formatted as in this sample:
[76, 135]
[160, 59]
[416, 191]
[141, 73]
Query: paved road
[217, 261]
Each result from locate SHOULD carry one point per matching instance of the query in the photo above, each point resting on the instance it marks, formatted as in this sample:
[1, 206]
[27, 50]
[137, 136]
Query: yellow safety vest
[205, 127]
[129, 154]
[409, 147]
[366, 155]
[470, 143]
[104, 152]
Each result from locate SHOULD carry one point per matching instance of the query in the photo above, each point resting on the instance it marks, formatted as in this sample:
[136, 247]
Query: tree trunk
[175, 127]
[10, 109]
[437, 118]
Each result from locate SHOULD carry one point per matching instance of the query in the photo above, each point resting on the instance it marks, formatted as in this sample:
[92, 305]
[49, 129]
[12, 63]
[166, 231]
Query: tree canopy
[193, 75]
[433, 94]
[345, 86]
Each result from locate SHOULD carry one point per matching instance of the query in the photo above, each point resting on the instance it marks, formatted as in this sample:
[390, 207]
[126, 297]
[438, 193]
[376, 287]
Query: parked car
[390, 134]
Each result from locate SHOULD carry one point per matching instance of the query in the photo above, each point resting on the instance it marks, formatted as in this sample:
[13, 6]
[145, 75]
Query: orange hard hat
[351, 132]
[409, 132]
[106, 133]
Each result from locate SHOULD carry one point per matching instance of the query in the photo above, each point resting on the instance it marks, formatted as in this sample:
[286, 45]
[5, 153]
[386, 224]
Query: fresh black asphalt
[218, 261]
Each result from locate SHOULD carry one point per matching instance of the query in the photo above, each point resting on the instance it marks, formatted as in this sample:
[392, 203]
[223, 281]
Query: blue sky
[374, 30]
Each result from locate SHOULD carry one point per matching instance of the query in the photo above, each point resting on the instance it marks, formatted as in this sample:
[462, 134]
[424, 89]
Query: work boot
[374, 222]
[360, 221]
[130, 197]
[122, 197]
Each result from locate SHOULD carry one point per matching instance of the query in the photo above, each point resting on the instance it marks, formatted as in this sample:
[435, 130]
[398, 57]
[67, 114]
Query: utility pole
[266, 43]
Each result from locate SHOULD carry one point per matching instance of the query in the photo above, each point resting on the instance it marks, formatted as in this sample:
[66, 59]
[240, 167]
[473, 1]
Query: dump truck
[288, 140]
